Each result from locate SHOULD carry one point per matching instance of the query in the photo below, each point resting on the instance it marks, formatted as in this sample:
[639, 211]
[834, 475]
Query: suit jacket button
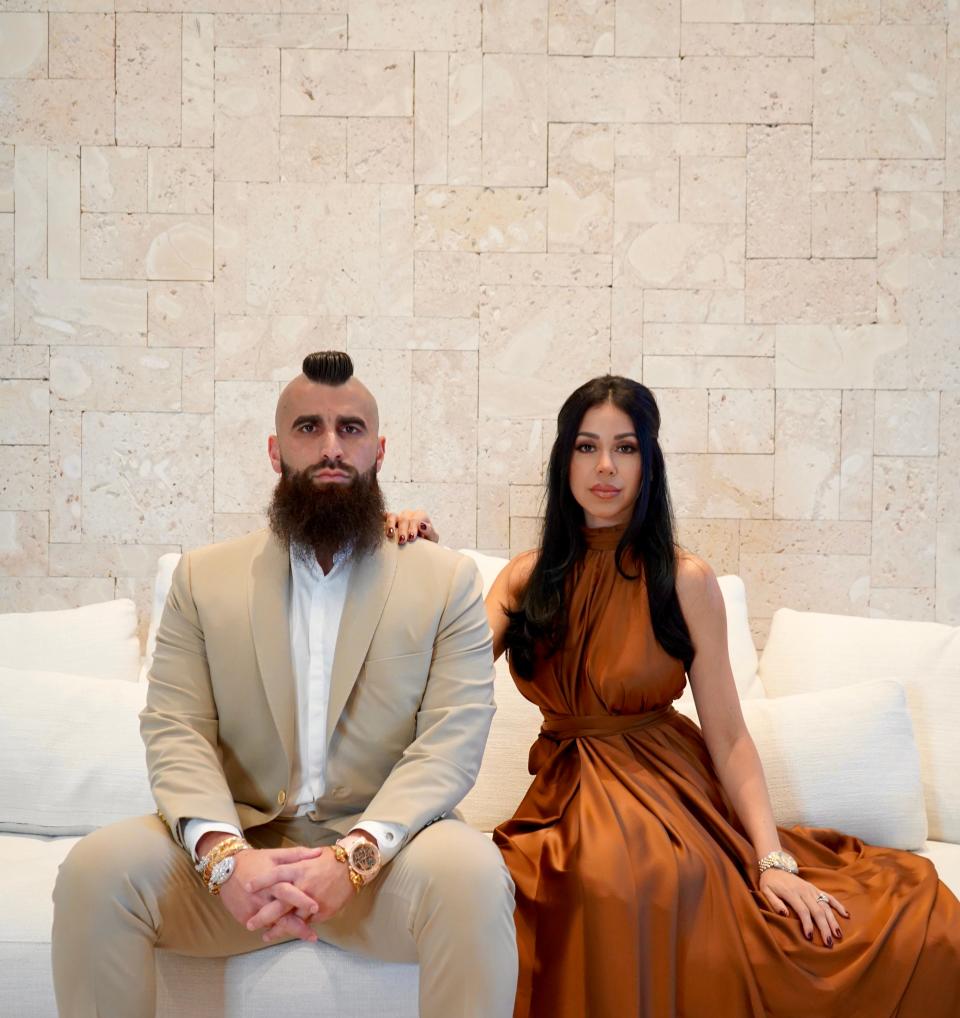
[281, 797]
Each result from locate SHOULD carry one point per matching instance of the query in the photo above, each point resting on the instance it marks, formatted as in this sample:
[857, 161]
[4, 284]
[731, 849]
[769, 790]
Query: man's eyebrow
[317, 419]
[306, 419]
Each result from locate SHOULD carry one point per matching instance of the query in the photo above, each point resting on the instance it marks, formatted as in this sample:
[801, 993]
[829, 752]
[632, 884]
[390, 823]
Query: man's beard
[323, 519]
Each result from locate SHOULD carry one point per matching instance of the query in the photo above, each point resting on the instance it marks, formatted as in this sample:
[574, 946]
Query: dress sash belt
[559, 727]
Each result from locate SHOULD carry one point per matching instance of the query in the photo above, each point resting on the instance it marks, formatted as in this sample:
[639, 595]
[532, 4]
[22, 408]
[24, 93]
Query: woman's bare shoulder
[696, 581]
[514, 575]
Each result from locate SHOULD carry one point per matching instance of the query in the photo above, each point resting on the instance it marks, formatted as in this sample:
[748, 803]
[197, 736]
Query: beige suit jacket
[411, 695]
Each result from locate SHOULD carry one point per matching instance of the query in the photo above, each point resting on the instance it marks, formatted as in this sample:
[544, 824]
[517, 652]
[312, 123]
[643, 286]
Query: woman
[651, 878]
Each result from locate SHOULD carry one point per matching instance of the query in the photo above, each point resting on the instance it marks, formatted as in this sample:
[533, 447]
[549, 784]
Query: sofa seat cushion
[946, 857]
[290, 979]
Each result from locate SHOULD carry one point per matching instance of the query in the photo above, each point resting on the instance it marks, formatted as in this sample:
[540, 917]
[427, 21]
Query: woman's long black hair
[538, 625]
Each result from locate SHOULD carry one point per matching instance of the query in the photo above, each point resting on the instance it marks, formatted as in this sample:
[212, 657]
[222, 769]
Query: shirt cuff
[195, 829]
[389, 837]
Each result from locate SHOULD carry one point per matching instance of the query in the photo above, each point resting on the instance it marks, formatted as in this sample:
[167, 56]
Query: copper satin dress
[637, 889]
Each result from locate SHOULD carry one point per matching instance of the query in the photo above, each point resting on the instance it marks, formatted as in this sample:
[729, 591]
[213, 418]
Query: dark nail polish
[401, 539]
[829, 941]
[809, 936]
[784, 912]
[390, 532]
[423, 526]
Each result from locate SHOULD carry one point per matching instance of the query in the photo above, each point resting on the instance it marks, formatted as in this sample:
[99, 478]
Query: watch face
[787, 862]
[223, 871]
[364, 857]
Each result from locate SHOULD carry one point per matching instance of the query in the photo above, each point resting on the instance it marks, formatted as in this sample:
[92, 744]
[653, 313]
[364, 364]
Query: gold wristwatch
[362, 858]
[779, 860]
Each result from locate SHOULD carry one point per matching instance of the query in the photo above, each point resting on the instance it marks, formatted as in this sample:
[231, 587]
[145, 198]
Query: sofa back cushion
[808, 651]
[71, 758]
[99, 640]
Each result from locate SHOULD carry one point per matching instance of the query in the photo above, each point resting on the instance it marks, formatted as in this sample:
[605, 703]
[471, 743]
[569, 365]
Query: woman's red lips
[604, 489]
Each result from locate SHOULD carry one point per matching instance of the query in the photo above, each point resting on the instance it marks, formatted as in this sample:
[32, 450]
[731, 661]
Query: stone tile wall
[751, 205]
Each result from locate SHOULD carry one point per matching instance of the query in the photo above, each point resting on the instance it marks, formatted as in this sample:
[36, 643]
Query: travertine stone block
[115, 378]
[807, 476]
[845, 225]
[395, 295]
[708, 372]
[148, 478]
[948, 523]
[683, 419]
[23, 543]
[683, 256]
[931, 307]
[24, 477]
[712, 190]
[614, 90]
[552, 269]
[515, 26]
[464, 154]
[838, 357]
[951, 224]
[272, 349]
[242, 477]
[305, 31]
[444, 427]
[481, 219]
[66, 312]
[451, 508]
[879, 92]
[24, 412]
[778, 203]
[856, 455]
[952, 128]
[840, 290]
[309, 249]
[875, 12]
[180, 180]
[63, 212]
[762, 11]
[721, 485]
[648, 28]
[197, 80]
[804, 537]
[431, 92]
[197, 386]
[30, 190]
[581, 188]
[393, 333]
[889, 175]
[313, 149]
[34, 593]
[446, 284]
[180, 314]
[53, 111]
[514, 141]
[525, 533]
[247, 114]
[108, 559]
[6, 178]
[414, 24]
[152, 246]
[7, 295]
[533, 341]
[584, 27]
[917, 604]
[82, 45]
[838, 584]
[904, 522]
[907, 423]
[712, 339]
[113, 178]
[742, 420]
[676, 141]
[746, 40]
[354, 83]
[719, 307]
[493, 518]
[626, 332]
[380, 150]
[231, 204]
[745, 90]
[24, 362]
[909, 226]
[148, 79]
[508, 451]
[390, 379]
[227, 526]
[527, 500]
[23, 44]
[646, 191]
[717, 542]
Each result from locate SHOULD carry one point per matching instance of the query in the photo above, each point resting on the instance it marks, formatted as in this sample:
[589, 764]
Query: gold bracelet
[219, 852]
[355, 878]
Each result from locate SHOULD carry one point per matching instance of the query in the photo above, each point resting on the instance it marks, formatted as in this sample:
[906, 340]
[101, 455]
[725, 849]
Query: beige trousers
[445, 901]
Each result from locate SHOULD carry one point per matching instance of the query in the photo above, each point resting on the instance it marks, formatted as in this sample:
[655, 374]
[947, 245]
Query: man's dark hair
[329, 367]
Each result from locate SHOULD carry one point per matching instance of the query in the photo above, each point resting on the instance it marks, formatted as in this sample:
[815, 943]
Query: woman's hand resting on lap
[786, 892]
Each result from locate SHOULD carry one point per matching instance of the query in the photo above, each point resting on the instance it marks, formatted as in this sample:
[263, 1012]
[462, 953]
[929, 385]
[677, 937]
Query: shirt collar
[306, 565]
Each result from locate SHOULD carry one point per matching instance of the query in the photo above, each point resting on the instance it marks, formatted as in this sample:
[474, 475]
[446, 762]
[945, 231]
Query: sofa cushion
[98, 639]
[71, 758]
[808, 650]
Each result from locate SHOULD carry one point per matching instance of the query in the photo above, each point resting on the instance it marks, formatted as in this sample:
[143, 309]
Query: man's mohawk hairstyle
[329, 367]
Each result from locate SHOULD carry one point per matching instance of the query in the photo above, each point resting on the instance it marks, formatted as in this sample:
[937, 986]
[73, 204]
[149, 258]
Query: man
[317, 700]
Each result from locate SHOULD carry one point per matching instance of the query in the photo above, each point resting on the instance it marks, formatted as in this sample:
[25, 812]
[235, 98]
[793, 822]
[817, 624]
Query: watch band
[779, 860]
[207, 867]
[341, 856]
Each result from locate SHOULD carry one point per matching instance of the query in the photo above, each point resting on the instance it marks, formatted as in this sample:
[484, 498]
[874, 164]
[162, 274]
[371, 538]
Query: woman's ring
[823, 898]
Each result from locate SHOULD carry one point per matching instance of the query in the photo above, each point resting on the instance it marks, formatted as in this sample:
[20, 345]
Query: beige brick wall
[751, 205]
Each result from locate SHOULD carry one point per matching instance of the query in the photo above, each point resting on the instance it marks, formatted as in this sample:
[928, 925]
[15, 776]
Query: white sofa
[857, 722]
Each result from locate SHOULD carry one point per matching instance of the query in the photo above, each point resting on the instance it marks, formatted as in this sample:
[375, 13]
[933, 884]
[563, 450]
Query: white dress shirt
[316, 607]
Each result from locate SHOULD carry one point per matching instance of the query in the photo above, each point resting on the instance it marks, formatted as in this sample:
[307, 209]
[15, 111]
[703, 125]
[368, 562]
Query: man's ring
[823, 898]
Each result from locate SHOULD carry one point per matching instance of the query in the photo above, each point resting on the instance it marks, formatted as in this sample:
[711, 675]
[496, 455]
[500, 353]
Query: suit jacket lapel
[367, 592]
[269, 598]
